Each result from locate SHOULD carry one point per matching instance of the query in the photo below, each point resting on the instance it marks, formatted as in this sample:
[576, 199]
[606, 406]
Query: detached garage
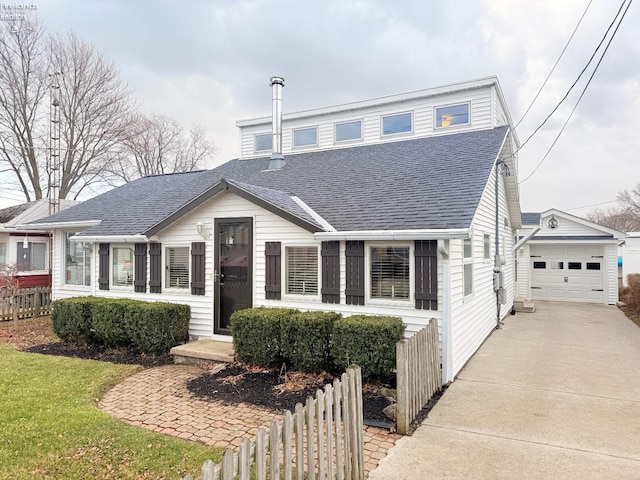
[562, 257]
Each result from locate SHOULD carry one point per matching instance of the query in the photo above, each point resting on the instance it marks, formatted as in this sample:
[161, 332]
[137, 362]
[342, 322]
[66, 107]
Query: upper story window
[177, 267]
[398, 123]
[31, 258]
[347, 131]
[389, 270]
[77, 262]
[305, 137]
[302, 270]
[263, 142]
[452, 115]
[122, 267]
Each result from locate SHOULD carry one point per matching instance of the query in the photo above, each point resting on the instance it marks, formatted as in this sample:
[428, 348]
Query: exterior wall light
[203, 231]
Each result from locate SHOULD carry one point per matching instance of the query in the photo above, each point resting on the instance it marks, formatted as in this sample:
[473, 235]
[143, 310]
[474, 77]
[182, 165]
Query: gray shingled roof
[530, 218]
[425, 183]
[9, 213]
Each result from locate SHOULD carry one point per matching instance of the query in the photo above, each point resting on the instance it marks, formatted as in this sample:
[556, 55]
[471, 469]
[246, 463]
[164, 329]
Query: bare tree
[94, 105]
[625, 216]
[158, 144]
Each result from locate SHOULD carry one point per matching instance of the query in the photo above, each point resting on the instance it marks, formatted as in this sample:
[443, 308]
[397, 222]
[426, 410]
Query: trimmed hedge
[150, 327]
[257, 334]
[315, 341]
[305, 339]
[367, 341]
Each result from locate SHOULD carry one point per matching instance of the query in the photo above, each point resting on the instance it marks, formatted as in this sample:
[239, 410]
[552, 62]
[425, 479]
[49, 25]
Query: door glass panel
[556, 265]
[539, 264]
[593, 266]
[574, 266]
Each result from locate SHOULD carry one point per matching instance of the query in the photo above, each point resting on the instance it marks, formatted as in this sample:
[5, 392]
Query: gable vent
[277, 159]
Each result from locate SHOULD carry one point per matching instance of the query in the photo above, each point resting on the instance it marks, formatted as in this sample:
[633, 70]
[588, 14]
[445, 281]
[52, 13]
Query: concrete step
[205, 350]
[525, 307]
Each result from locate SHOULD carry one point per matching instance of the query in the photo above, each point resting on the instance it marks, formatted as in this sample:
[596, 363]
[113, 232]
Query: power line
[554, 66]
[579, 76]
[589, 206]
[581, 94]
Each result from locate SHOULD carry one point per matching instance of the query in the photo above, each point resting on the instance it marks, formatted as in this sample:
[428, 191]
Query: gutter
[420, 234]
[52, 225]
[110, 238]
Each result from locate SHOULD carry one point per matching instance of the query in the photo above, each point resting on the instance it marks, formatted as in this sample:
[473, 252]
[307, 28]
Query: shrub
[369, 342]
[256, 334]
[305, 340]
[630, 294]
[71, 319]
[155, 327]
[107, 319]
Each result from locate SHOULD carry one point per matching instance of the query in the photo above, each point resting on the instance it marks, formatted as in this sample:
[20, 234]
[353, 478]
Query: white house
[567, 258]
[386, 206]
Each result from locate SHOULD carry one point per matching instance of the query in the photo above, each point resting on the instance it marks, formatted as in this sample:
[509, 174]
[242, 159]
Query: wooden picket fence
[419, 374]
[18, 303]
[321, 440]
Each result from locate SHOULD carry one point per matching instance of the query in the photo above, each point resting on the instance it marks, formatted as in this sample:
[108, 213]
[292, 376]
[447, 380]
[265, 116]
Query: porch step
[523, 305]
[203, 351]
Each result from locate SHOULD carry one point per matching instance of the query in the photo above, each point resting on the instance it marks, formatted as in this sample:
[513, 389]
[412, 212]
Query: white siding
[611, 286]
[524, 280]
[482, 115]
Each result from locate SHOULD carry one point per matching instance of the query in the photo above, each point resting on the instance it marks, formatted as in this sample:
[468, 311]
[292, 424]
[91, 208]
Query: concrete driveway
[552, 395]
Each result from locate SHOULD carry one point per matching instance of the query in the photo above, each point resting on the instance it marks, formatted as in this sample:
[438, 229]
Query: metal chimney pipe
[277, 159]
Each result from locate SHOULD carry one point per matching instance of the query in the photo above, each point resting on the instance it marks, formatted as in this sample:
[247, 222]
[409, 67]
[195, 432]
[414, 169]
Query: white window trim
[468, 261]
[398, 134]
[451, 127]
[400, 303]
[112, 284]
[41, 240]
[310, 145]
[164, 259]
[351, 140]
[255, 142]
[284, 281]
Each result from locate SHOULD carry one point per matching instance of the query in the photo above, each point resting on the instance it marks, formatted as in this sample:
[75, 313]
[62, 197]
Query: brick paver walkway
[157, 399]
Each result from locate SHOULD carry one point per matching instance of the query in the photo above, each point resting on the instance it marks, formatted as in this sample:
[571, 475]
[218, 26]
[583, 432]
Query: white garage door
[570, 273]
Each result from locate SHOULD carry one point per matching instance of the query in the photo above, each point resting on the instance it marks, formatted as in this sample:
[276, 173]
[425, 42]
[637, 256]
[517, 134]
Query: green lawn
[51, 428]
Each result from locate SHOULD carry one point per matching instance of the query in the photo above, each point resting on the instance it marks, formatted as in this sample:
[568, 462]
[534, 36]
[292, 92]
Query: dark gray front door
[234, 269]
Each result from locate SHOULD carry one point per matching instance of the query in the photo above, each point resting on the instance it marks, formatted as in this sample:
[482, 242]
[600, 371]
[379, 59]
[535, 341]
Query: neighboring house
[567, 258]
[24, 254]
[386, 206]
[630, 256]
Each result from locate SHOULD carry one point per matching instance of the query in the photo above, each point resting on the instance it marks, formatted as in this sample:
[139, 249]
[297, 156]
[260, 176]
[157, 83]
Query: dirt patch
[631, 314]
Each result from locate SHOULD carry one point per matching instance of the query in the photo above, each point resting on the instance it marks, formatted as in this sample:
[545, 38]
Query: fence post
[402, 385]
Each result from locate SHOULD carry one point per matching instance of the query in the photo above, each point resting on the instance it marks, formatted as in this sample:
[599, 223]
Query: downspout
[497, 266]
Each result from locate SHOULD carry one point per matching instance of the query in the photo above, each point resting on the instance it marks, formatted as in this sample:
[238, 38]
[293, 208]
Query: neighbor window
[389, 273]
[122, 266]
[302, 270]
[3, 253]
[349, 131]
[177, 267]
[32, 258]
[263, 142]
[487, 246]
[452, 115]
[399, 123]
[467, 272]
[304, 137]
[77, 262]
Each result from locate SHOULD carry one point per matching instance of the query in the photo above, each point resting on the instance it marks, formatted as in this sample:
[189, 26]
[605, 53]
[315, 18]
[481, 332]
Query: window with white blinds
[177, 267]
[389, 273]
[302, 270]
[32, 258]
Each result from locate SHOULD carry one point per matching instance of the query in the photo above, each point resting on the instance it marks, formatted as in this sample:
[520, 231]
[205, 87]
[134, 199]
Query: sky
[208, 62]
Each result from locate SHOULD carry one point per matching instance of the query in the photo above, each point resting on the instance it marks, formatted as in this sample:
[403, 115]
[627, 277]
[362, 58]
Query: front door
[233, 269]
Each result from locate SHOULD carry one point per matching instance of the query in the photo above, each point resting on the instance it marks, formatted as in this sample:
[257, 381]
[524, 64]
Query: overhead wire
[581, 94]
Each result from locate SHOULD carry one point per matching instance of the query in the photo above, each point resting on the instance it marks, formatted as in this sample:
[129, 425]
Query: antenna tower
[53, 163]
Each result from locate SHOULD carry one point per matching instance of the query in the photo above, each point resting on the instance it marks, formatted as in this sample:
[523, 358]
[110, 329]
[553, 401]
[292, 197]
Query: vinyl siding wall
[483, 114]
[473, 317]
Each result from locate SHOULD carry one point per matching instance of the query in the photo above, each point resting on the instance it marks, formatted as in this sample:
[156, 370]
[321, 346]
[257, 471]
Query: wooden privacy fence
[321, 440]
[419, 374]
[19, 303]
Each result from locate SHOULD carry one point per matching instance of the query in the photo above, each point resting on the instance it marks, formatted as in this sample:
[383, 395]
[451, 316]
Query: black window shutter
[330, 272]
[103, 266]
[354, 290]
[273, 277]
[155, 267]
[140, 268]
[197, 268]
[426, 256]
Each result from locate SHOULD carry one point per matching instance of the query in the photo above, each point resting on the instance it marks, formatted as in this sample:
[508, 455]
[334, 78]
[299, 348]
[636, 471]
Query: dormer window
[348, 131]
[305, 137]
[452, 115]
[263, 142]
[398, 123]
